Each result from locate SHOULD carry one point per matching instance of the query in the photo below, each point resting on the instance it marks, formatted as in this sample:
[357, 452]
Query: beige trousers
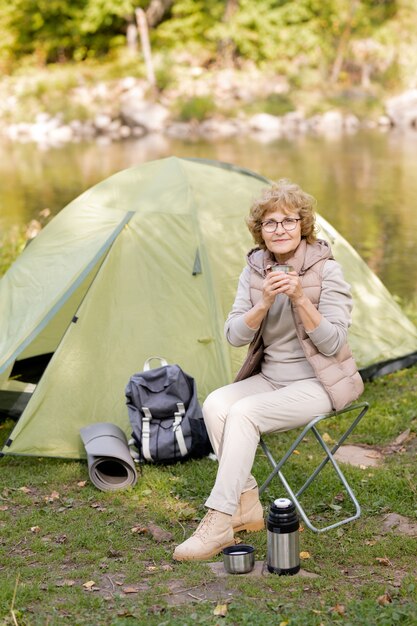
[238, 414]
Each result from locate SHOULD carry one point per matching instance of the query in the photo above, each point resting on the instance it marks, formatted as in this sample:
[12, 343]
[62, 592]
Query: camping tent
[146, 263]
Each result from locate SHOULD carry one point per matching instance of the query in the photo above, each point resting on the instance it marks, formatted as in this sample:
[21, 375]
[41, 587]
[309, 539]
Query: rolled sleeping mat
[110, 464]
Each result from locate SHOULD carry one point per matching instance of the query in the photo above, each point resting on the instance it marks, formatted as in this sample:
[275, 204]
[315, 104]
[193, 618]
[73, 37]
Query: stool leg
[329, 457]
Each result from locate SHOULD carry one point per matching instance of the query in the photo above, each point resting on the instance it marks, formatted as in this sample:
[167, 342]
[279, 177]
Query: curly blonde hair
[289, 198]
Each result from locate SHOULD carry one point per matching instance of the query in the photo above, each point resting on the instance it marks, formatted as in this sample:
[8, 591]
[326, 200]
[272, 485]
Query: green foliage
[360, 103]
[302, 39]
[196, 108]
[60, 30]
[274, 104]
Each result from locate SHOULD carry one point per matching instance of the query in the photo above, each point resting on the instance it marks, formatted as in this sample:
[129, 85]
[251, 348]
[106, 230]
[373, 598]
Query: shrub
[196, 108]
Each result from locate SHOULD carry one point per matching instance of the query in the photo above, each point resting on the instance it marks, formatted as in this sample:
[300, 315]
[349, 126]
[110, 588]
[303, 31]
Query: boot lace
[205, 526]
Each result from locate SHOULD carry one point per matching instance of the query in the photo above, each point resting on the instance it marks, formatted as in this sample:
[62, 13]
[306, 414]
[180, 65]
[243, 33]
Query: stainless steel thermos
[283, 555]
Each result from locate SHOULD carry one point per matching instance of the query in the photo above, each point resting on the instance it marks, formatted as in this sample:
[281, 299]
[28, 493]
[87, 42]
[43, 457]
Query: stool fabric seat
[360, 410]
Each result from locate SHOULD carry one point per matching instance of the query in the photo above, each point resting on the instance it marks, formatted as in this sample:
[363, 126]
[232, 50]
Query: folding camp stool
[360, 410]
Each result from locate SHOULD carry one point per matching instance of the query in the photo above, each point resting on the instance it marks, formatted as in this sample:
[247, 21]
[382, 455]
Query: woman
[307, 367]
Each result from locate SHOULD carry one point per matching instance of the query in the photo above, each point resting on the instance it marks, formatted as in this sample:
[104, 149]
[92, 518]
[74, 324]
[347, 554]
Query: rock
[399, 524]
[331, 121]
[127, 83]
[266, 123]
[356, 455]
[180, 130]
[87, 130]
[218, 129]
[62, 134]
[402, 110]
[137, 131]
[102, 121]
[384, 121]
[293, 119]
[149, 115]
[351, 122]
[124, 132]
[42, 118]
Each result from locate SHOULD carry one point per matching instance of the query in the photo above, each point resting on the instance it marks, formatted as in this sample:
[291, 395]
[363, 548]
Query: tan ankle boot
[249, 515]
[214, 533]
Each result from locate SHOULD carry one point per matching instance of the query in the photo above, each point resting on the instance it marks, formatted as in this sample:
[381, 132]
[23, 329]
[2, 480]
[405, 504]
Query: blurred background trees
[349, 42]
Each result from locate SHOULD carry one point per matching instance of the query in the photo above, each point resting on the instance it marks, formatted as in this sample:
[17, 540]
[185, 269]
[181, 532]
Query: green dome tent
[146, 263]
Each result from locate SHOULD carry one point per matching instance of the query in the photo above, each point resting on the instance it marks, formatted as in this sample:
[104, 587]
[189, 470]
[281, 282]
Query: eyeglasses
[288, 224]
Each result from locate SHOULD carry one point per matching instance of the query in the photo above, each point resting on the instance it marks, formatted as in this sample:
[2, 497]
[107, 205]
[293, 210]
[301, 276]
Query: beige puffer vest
[338, 374]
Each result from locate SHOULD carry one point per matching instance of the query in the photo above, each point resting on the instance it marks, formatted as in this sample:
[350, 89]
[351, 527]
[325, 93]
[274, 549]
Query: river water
[365, 184]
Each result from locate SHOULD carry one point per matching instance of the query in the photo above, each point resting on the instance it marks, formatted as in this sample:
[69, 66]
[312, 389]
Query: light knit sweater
[284, 358]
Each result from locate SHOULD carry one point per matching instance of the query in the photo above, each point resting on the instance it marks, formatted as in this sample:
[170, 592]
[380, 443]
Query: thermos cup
[283, 555]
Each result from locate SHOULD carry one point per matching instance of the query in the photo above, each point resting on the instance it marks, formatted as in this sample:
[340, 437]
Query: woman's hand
[281, 282]
[289, 284]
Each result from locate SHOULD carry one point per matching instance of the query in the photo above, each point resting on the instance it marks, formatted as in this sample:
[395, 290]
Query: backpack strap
[147, 364]
[146, 433]
[176, 427]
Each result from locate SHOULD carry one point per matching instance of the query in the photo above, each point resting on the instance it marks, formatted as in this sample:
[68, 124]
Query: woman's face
[284, 238]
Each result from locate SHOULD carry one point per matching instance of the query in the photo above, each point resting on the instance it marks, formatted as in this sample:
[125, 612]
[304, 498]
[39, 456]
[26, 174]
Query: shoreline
[208, 106]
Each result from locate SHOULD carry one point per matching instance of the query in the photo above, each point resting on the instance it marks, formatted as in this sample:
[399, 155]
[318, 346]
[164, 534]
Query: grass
[59, 535]
[12, 244]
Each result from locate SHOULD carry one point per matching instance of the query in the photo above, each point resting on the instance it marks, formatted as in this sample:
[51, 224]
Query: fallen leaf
[167, 567]
[339, 497]
[382, 560]
[283, 623]
[97, 506]
[89, 584]
[296, 452]
[124, 614]
[305, 555]
[130, 589]
[339, 608]
[146, 492]
[113, 554]
[61, 539]
[384, 599]
[4, 507]
[220, 610]
[25, 489]
[370, 542]
[140, 530]
[82, 483]
[151, 568]
[35, 529]
[335, 507]
[159, 534]
[327, 439]
[401, 438]
[362, 467]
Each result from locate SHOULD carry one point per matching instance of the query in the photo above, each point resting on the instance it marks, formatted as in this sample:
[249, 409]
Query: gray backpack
[165, 416]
